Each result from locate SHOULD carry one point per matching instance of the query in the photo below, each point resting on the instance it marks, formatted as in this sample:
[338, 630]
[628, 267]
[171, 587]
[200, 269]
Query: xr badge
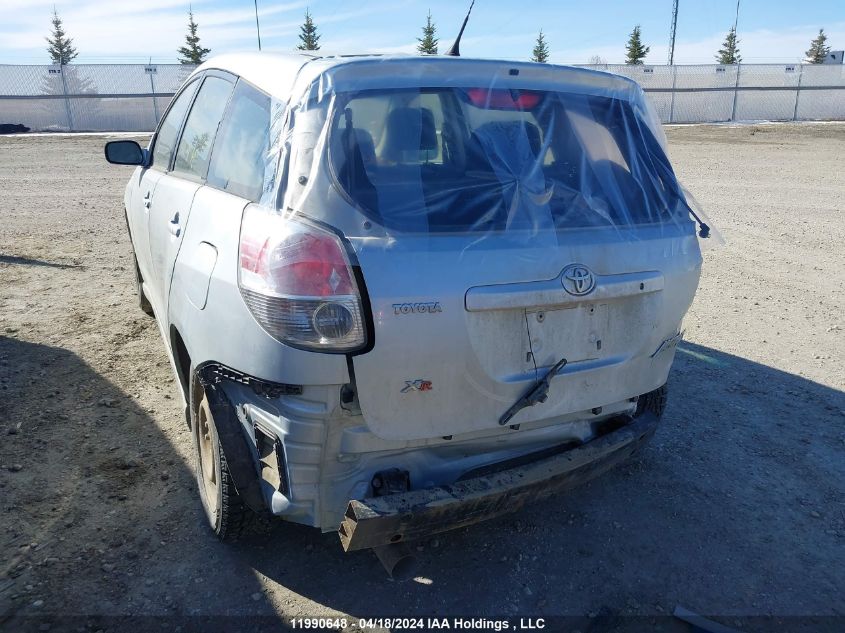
[417, 385]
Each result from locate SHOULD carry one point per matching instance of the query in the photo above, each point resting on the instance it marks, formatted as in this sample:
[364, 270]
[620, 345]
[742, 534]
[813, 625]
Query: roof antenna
[455, 51]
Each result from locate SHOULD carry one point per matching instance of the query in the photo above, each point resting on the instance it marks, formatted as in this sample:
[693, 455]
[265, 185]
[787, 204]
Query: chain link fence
[748, 92]
[132, 97]
[88, 97]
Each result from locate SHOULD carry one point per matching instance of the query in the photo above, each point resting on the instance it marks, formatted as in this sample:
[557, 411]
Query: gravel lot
[736, 509]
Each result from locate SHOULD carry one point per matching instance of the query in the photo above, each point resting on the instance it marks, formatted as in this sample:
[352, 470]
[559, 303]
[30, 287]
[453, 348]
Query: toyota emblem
[578, 280]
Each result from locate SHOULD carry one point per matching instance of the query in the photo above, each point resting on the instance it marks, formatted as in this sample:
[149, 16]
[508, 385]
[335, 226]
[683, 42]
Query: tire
[227, 515]
[654, 401]
[143, 302]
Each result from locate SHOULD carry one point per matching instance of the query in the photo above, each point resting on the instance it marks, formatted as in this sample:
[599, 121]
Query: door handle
[147, 200]
[173, 226]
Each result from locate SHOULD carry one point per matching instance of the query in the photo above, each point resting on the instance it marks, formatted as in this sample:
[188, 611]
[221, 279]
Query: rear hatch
[499, 231]
[455, 348]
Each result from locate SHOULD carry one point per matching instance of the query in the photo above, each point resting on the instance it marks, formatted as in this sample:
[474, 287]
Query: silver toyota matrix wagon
[406, 294]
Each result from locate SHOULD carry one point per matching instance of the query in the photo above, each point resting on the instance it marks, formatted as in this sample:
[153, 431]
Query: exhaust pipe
[397, 560]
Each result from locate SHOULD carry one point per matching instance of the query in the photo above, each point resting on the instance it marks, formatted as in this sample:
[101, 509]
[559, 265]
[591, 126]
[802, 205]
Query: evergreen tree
[192, 52]
[428, 43]
[309, 37]
[541, 49]
[729, 53]
[60, 46]
[636, 52]
[818, 49]
[71, 80]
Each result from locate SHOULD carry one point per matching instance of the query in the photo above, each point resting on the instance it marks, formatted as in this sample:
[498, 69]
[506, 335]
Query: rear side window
[201, 127]
[165, 142]
[238, 160]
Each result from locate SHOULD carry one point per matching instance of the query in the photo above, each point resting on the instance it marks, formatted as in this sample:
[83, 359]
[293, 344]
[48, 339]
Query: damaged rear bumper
[395, 518]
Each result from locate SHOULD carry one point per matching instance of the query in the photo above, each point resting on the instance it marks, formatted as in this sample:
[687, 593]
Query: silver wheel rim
[207, 463]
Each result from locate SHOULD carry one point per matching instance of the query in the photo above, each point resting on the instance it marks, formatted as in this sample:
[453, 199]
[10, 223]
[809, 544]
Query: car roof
[276, 74]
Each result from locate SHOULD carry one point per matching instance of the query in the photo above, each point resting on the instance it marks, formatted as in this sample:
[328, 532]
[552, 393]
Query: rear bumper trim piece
[376, 521]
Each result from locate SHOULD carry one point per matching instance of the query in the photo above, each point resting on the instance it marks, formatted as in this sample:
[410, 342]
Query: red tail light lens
[503, 99]
[306, 264]
[297, 281]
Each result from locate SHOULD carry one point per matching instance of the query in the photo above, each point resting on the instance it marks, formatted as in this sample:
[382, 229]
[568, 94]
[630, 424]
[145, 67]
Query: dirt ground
[736, 509]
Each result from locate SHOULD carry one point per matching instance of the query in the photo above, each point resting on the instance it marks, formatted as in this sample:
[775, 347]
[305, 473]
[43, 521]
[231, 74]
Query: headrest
[409, 129]
[363, 140]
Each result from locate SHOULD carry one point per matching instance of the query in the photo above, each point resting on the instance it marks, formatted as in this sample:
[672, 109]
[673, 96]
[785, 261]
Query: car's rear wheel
[143, 302]
[227, 515]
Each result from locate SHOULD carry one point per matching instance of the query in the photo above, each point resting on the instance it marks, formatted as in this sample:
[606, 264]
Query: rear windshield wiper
[538, 393]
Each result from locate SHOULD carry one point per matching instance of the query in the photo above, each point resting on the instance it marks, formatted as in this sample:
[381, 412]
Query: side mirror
[125, 153]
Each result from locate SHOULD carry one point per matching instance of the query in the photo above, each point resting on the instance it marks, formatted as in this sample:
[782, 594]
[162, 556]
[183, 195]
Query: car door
[174, 193]
[162, 146]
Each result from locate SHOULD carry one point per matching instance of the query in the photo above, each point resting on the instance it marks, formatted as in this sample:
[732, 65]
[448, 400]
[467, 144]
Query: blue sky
[133, 31]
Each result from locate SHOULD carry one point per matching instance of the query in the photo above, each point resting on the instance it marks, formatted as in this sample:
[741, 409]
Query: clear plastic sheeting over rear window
[470, 159]
[380, 147]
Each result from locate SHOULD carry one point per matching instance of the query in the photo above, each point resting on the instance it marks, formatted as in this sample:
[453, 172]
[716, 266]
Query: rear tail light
[297, 281]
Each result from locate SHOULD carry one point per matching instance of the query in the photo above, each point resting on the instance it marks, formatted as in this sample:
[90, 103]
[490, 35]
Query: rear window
[478, 159]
